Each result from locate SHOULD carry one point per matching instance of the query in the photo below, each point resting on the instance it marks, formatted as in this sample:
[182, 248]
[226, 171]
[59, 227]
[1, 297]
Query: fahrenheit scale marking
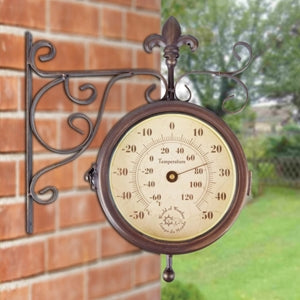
[172, 176]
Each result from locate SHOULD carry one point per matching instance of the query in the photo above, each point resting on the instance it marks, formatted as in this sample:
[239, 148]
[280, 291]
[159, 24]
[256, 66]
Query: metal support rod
[63, 78]
[29, 199]
[171, 86]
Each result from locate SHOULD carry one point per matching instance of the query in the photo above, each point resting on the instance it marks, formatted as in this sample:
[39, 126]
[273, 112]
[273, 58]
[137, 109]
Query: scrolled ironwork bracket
[55, 78]
[171, 40]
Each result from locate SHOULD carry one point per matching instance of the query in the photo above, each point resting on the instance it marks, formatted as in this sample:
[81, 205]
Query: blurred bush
[286, 144]
[274, 159]
[181, 291]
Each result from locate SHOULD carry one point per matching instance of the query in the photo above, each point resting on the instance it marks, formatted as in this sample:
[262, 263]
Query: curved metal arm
[171, 40]
[63, 78]
[231, 75]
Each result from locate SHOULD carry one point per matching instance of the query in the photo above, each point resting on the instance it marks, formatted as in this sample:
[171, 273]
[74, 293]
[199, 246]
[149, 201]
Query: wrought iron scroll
[231, 75]
[171, 40]
[56, 78]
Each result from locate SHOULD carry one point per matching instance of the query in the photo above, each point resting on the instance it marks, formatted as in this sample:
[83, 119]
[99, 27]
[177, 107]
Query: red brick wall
[73, 253]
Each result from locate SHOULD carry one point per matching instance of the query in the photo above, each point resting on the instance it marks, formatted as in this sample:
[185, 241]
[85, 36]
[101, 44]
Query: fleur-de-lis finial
[171, 40]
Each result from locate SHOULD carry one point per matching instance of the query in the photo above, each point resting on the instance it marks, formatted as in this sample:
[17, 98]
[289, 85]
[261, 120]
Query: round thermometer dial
[172, 177]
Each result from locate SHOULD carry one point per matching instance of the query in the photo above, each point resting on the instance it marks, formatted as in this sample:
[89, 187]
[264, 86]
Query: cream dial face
[172, 177]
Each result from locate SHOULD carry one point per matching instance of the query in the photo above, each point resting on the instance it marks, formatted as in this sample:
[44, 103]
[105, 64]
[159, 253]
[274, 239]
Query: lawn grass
[258, 258]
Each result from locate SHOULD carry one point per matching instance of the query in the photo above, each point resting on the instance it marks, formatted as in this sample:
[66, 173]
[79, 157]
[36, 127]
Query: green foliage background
[272, 28]
[259, 257]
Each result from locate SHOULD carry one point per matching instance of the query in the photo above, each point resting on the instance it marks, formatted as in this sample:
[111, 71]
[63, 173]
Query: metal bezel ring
[107, 202]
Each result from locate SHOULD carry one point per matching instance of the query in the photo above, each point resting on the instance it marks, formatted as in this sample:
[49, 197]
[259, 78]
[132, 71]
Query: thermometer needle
[193, 168]
[172, 176]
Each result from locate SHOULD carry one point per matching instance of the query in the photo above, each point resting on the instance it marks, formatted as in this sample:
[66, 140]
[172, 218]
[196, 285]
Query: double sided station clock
[171, 177]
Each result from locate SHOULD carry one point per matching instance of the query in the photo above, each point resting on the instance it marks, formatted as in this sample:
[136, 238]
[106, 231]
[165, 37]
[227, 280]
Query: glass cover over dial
[172, 177]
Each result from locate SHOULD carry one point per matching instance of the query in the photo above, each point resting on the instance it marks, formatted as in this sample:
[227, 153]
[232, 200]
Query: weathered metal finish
[168, 273]
[106, 199]
[63, 78]
[170, 40]
[28, 95]
[231, 75]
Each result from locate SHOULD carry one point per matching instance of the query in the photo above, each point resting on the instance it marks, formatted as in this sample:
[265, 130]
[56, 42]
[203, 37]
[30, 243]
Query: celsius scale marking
[162, 181]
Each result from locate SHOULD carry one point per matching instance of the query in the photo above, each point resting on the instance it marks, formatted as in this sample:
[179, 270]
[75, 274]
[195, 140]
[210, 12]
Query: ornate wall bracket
[170, 39]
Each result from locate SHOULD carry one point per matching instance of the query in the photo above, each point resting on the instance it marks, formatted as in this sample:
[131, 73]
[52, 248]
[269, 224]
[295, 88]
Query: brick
[69, 138]
[148, 4]
[84, 164]
[147, 268]
[110, 279]
[146, 60]
[113, 244]
[30, 14]
[12, 49]
[20, 293]
[72, 249]
[74, 138]
[109, 57]
[157, 59]
[47, 130]
[12, 221]
[12, 135]
[135, 94]
[7, 178]
[100, 134]
[21, 261]
[151, 294]
[74, 18]
[43, 215]
[121, 2]
[12, 217]
[9, 88]
[83, 96]
[140, 26]
[70, 287]
[54, 99]
[113, 122]
[22, 179]
[113, 102]
[61, 177]
[43, 218]
[112, 23]
[69, 56]
[79, 209]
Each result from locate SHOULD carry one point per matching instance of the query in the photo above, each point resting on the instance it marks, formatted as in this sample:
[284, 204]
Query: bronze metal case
[107, 202]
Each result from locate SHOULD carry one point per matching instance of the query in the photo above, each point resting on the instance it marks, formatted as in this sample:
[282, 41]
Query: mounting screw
[91, 176]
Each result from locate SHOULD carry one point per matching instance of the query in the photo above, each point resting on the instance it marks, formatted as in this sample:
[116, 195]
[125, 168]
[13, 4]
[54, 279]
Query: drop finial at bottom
[169, 274]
